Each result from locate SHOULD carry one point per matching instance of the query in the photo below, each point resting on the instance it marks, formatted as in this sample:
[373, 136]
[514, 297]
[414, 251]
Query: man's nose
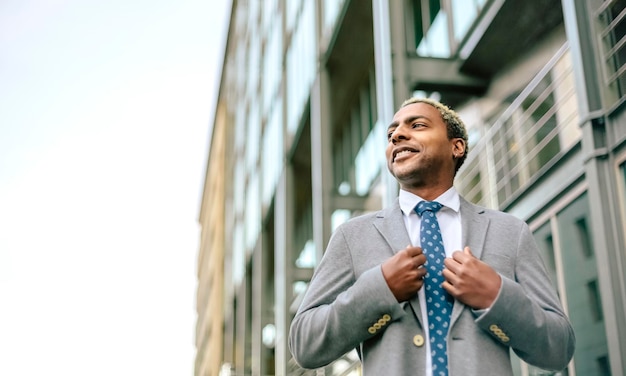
[399, 134]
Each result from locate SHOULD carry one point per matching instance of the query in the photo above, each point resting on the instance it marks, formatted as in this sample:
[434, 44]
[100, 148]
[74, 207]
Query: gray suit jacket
[349, 305]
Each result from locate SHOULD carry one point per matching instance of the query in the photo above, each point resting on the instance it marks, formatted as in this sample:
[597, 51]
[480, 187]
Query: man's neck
[429, 193]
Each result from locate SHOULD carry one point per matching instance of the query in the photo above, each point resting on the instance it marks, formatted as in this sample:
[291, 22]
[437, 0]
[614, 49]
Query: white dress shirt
[449, 218]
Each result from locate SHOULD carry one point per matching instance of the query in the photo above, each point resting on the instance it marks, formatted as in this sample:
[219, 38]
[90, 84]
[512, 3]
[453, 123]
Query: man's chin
[407, 178]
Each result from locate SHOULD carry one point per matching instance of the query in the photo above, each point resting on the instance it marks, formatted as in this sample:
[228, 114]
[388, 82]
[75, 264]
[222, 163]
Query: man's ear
[458, 147]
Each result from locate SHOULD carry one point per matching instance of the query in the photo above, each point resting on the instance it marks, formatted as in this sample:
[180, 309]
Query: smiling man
[469, 286]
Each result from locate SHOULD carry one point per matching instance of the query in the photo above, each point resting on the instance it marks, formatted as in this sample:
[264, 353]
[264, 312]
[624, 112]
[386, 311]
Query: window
[594, 301]
[331, 9]
[584, 237]
[272, 152]
[612, 17]
[358, 151]
[253, 125]
[441, 25]
[272, 66]
[464, 13]
[545, 242]
[431, 29]
[300, 65]
[566, 246]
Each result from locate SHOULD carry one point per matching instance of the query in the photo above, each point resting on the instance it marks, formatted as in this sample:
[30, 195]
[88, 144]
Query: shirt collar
[449, 199]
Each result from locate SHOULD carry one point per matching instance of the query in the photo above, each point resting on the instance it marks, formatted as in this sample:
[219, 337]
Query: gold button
[371, 330]
[493, 327]
[505, 338]
[418, 340]
[386, 317]
[382, 322]
[377, 325]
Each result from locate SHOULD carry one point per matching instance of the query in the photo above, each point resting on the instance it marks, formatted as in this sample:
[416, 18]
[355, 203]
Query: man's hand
[470, 280]
[404, 272]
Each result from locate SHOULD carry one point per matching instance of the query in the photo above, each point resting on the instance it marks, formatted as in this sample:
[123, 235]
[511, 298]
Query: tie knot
[432, 206]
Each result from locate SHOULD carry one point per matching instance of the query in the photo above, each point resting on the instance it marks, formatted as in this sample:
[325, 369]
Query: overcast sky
[105, 108]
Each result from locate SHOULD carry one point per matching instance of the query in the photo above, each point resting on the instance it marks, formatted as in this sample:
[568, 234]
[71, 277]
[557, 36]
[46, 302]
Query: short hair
[454, 124]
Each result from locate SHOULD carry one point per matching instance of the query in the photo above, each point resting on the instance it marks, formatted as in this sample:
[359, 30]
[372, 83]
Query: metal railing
[536, 128]
[611, 16]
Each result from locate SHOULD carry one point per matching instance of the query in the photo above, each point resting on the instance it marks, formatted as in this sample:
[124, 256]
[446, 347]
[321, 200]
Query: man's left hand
[470, 280]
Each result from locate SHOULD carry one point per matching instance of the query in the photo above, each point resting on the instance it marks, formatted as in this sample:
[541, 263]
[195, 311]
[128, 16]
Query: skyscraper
[297, 147]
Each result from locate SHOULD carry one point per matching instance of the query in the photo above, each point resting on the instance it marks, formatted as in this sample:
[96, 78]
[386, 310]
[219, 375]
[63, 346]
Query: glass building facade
[297, 148]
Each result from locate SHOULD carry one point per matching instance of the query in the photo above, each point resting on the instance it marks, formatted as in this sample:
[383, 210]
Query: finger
[461, 257]
[413, 251]
[420, 259]
[468, 251]
[450, 264]
[454, 263]
[450, 277]
[449, 288]
[421, 273]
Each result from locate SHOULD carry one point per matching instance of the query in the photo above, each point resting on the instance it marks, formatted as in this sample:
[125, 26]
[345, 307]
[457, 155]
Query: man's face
[419, 152]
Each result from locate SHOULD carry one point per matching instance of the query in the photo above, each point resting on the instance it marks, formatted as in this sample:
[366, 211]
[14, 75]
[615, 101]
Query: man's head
[427, 145]
[454, 124]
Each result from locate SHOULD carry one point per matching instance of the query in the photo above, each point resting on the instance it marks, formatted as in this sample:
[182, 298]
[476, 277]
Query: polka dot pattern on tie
[438, 303]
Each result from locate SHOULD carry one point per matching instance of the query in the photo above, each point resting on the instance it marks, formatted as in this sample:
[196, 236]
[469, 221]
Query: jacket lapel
[390, 224]
[474, 226]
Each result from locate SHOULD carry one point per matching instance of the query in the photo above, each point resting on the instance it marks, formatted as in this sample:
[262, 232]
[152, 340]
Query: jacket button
[386, 317]
[418, 340]
[371, 330]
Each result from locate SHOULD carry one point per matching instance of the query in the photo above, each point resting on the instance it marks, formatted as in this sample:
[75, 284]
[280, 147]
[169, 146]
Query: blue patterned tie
[438, 301]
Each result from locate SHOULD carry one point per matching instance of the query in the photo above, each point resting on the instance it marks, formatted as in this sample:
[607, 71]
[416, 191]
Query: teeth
[400, 153]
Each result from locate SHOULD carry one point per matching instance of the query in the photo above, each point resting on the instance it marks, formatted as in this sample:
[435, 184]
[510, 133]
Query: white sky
[105, 109]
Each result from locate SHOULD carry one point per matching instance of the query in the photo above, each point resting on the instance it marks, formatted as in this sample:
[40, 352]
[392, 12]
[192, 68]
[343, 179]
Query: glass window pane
[431, 29]
[464, 13]
[571, 265]
[300, 65]
[545, 242]
[583, 296]
[331, 9]
[436, 43]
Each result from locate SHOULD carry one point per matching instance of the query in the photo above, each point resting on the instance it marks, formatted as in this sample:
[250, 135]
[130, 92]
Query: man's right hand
[404, 272]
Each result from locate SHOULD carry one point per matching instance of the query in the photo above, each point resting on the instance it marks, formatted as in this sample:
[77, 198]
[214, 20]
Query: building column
[259, 303]
[242, 329]
[600, 176]
[389, 71]
[604, 211]
[321, 163]
[283, 268]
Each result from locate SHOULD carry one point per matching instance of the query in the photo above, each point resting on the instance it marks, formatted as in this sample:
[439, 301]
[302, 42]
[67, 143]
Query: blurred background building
[297, 147]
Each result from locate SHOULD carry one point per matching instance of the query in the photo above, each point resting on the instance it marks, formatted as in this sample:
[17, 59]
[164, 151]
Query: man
[374, 293]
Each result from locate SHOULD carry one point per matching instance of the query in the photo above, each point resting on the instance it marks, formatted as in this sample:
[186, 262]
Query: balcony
[534, 131]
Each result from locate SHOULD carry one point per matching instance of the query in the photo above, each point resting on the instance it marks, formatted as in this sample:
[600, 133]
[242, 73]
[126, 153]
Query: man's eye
[417, 125]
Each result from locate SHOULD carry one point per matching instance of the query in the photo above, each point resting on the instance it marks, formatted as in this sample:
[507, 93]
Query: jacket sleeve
[340, 309]
[527, 314]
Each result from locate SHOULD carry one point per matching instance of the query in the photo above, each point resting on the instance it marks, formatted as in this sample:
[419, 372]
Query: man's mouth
[404, 152]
